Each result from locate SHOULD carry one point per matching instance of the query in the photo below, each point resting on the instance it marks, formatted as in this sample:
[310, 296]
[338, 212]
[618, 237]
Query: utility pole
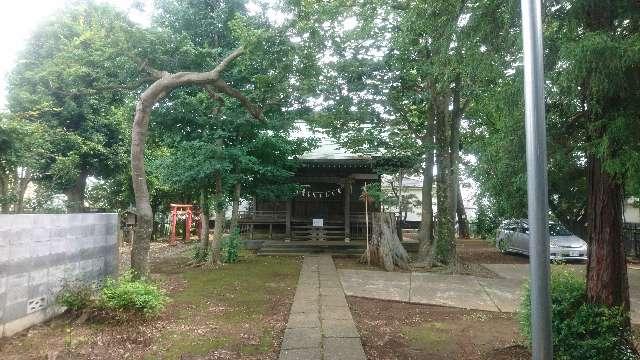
[537, 180]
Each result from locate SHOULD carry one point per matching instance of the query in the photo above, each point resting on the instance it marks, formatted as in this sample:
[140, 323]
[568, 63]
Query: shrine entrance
[186, 213]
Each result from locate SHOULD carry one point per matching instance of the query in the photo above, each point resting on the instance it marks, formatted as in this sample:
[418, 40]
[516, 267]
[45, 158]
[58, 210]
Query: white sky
[19, 18]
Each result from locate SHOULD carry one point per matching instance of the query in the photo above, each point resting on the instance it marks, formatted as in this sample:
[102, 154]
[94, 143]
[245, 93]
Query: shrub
[75, 296]
[486, 223]
[230, 247]
[130, 294]
[580, 330]
[200, 254]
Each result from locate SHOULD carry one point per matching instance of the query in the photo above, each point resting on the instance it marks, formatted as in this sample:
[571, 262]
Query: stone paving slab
[450, 290]
[303, 320]
[343, 349]
[464, 291]
[320, 324]
[376, 284]
[302, 338]
[505, 293]
[302, 354]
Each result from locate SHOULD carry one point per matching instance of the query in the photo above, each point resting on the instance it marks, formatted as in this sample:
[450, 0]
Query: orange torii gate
[187, 213]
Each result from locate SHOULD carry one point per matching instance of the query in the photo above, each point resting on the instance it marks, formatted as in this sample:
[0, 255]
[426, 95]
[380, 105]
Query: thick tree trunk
[75, 195]
[425, 236]
[218, 228]
[385, 248]
[236, 207]
[463, 224]
[204, 219]
[164, 84]
[607, 281]
[444, 245]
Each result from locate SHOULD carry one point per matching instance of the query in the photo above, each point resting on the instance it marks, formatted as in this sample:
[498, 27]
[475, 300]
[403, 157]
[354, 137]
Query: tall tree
[73, 65]
[599, 82]
[254, 56]
[23, 149]
[405, 74]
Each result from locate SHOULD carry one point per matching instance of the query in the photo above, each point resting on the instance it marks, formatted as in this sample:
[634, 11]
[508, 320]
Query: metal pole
[536, 180]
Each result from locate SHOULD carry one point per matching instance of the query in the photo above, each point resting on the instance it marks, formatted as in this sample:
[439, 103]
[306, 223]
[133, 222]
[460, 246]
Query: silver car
[513, 236]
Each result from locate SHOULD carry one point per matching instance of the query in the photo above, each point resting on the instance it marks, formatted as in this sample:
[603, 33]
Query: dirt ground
[478, 251]
[238, 311]
[393, 330]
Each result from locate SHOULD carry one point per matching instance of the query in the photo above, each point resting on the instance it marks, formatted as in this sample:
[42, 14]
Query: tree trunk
[385, 248]
[218, 228]
[165, 83]
[454, 181]
[22, 183]
[204, 219]
[425, 236]
[444, 245]
[75, 195]
[400, 219]
[607, 281]
[236, 208]
[4, 194]
[463, 224]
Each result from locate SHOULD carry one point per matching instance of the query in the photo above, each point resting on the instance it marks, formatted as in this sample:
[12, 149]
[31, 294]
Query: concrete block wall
[40, 252]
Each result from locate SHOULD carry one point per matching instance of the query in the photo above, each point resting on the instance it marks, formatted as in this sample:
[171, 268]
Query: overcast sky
[19, 18]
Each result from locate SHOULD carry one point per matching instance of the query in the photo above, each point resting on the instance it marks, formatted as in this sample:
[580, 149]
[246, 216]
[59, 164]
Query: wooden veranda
[328, 207]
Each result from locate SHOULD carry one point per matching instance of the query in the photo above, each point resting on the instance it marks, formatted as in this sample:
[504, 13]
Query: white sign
[318, 222]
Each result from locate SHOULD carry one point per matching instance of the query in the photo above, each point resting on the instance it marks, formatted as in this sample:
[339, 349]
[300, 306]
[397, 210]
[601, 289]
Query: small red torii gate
[187, 213]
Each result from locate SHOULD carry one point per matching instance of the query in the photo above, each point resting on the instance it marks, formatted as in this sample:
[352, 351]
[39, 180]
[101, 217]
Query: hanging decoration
[306, 192]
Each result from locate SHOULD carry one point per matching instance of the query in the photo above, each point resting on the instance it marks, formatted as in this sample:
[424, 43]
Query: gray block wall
[40, 252]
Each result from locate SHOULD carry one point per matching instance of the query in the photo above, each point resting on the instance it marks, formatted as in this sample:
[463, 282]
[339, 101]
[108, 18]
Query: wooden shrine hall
[328, 207]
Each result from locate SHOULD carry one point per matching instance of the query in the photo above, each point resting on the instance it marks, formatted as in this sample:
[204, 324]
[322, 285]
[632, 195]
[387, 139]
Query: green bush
[580, 330]
[230, 247]
[486, 223]
[75, 296]
[130, 294]
[200, 254]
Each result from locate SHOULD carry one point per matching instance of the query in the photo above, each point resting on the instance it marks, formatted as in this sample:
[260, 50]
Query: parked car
[513, 236]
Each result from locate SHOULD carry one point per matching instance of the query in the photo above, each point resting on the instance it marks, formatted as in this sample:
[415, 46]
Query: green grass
[241, 292]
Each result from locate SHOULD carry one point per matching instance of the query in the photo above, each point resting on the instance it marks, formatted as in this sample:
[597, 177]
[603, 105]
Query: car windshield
[558, 230]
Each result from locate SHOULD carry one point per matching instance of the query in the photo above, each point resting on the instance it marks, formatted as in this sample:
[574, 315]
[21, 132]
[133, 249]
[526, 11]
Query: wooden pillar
[347, 210]
[270, 231]
[288, 221]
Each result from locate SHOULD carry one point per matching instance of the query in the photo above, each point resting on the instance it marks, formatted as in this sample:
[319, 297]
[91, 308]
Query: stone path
[502, 294]
[320, 325]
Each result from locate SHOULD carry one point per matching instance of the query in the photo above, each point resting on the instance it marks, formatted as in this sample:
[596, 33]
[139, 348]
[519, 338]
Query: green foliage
[230, 247]
[75, 296]
[77, 70]
[486, 223]
[580, 330]
[200, 254]
[131, 294]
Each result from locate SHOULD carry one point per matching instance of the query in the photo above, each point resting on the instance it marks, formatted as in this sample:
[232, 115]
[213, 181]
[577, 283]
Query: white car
[513, 236]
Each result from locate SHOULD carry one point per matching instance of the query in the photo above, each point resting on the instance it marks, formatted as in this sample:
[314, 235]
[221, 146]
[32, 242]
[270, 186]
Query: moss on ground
[434, 335]
[236, 297]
